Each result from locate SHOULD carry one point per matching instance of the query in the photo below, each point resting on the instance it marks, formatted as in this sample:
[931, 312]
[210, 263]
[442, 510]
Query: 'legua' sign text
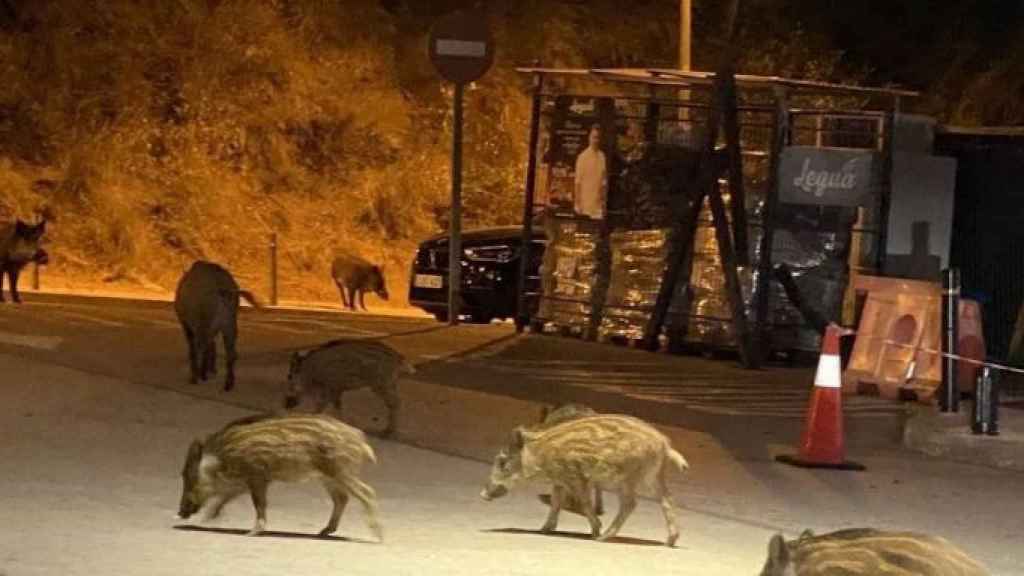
[828, 176]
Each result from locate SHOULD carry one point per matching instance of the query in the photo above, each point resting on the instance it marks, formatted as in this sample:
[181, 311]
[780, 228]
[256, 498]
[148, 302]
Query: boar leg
[389, 394]
[210, 361]
[668, 509]
[323, 397]
[214, 511]
[627, 503]
[3, 271]
[12, 274]
[368, 498]
[340, 499]
[344, 296]
[351, 297]
[362, 294]
[229, 335]
[193, 351]
[258, 489]
[557, 497]
[589, 510]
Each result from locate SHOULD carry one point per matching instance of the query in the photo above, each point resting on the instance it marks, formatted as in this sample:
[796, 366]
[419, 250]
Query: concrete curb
[949, 436]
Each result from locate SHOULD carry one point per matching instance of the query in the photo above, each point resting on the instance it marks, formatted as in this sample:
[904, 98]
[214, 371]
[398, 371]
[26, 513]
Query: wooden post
[273, 269]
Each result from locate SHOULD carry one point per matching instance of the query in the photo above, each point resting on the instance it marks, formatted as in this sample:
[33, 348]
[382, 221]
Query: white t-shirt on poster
[591, 175]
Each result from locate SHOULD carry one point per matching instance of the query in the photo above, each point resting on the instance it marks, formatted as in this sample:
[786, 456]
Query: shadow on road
[267, 534]
[575, 536]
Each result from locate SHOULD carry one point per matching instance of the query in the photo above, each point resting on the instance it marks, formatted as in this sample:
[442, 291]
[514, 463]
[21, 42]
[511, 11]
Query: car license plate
[428, 281]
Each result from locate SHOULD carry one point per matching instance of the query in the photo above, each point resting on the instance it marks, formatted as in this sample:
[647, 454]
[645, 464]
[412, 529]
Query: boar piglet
[250, 453]
[867, 552]
[608, 452]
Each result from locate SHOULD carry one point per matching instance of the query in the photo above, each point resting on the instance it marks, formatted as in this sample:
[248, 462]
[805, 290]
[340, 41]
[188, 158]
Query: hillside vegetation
[157, 132]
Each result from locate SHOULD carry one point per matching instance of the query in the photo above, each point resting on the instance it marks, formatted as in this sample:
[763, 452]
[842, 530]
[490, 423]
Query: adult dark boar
[250, 453]
[609, 452]
[330, 370]
[355, 276]
[867, 552]
[206, 302]
[19, 246]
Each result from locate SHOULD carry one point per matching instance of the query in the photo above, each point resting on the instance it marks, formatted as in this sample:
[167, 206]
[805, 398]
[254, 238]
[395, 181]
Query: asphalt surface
[96, 413]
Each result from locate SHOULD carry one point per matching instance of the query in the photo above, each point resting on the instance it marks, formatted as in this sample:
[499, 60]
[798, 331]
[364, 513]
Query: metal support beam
[526, 247]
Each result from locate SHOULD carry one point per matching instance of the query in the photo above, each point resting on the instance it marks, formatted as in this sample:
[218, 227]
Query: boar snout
[187, 509]
[492, 491]
[291, 402]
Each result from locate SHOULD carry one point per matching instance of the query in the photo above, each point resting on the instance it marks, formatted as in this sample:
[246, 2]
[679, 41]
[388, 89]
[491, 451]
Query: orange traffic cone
[821, 445]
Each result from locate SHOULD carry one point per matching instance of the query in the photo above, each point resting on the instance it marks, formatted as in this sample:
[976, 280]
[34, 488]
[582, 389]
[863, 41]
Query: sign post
[462, 51]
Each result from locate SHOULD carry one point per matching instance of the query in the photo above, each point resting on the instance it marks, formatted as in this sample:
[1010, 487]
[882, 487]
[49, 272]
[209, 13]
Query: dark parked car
[490, 273]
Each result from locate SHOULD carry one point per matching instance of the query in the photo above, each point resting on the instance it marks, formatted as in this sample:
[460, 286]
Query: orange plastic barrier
[900, 323]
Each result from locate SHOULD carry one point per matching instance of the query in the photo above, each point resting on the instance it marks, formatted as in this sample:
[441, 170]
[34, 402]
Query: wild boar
[607, 452]
[250, 453]
[355, 276]
[19, 246]
[330, 370]
[570, 502]
[867, 552]
[206, 302]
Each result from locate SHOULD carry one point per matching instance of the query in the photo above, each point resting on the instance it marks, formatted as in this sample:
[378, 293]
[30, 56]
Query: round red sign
[461, 47]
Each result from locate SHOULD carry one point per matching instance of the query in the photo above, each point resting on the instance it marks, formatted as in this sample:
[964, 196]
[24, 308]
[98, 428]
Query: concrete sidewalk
[949, 436]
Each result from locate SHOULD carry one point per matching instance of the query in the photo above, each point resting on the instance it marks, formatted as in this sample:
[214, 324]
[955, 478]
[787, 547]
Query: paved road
[95, 413]
[142, 341]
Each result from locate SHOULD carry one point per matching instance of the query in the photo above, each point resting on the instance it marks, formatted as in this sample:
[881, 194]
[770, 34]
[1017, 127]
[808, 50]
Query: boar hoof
[671, 542]
[328, 530]
[548, 527]
[377, 531]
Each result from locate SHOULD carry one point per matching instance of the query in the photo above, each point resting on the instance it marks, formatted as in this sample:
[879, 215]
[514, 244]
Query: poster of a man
[591, 189]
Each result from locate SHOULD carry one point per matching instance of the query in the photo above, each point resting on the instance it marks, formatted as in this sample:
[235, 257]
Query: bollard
[985, 416]
[273, 269]
[985, 402]
[949, 401]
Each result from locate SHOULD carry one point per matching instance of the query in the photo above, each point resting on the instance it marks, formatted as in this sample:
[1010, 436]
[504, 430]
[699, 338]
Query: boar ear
[41, 227]
[195, 450]
[778, 553]
[519, 437]
[544, 411]
[806, 534]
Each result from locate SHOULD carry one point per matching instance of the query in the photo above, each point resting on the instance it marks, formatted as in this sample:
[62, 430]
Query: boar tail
[248, 296]
[676, 459]
[408, 367]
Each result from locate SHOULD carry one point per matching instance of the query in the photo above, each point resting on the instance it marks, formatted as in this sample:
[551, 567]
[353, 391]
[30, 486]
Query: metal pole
[273, 269]
[949, 400]
[888, 126]
[522, 305]
[455, 226]
[685, 53]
